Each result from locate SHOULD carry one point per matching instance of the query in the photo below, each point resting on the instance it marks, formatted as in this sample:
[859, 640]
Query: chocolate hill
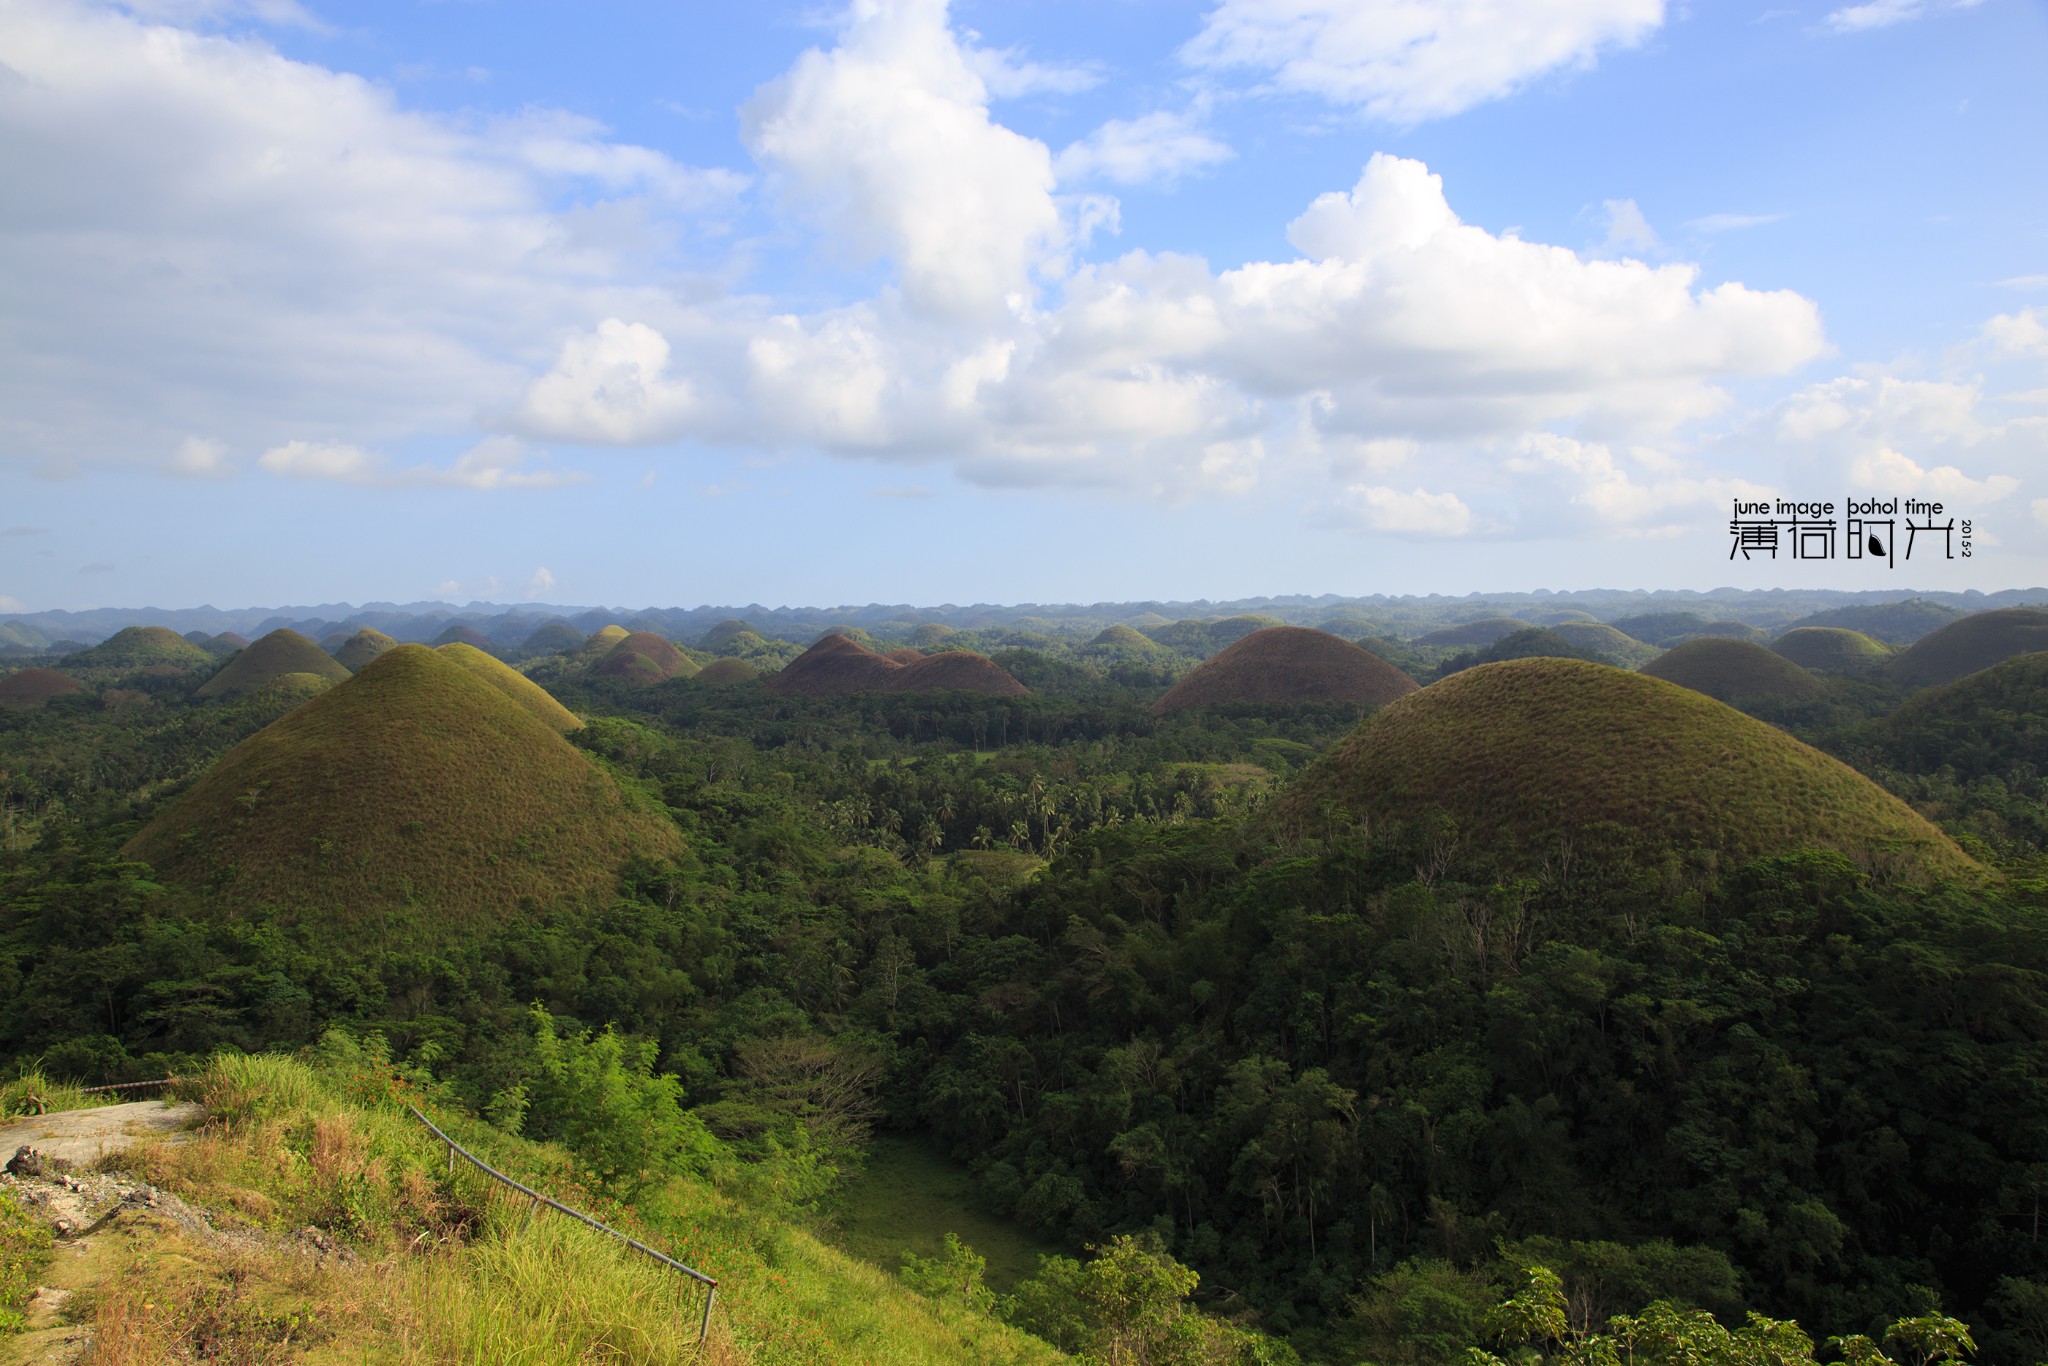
[1734, 671]
[283, 651]
[33, 687]
[414, 787]
[1831, 649]
[1989, 722]
[1606, 644]
[1535, 756]
[457, 633]
[362, 647]
[724, 673]
[537, 701]
[138, 649]
[1471, 634]
[905, 656]
[641, 658]
[555, 638]
[1288, 664]
[836, 666]
[1974, 642]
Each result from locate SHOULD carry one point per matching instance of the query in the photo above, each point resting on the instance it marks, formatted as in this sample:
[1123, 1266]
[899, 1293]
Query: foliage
[600, 1096]
[24, 1248]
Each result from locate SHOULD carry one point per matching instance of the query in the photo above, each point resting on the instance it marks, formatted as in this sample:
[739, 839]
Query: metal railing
[710, 1285]
[128, 1085]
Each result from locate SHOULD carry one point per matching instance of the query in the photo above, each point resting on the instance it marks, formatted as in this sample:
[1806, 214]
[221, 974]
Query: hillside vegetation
[1831, 649]
[1288, 664]
[1974, 642]
[281, 652]
[1734, 671]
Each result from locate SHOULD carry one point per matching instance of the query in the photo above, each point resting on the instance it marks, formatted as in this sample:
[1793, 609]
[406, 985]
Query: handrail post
[704, 1325]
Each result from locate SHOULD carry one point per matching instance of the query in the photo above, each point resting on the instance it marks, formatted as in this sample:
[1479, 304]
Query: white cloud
[1887, 471]
[887, 143]
[2026, 282]
[493, 463]
[1885, 13]
[12, 604]
[2041, 511]
[1621, 503]
[610, 386]
[1731, 222]
[2024, 333]
[1628, 232]
[198, 457]
[1008, 74]
[1416, 59]
[1155, 147]
[541, 584]
[280, 13]
[1417, 512]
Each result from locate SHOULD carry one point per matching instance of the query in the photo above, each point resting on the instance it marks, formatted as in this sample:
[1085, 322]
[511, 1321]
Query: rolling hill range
[1895, 623]
[1831, 649]
[414, 786]
[1974, 642]
[1991, 722]
[141, 649]
[837, 665]
[1533, 756]
[1606, 644]
[641, 658]
[1288, 664]
[33, 687]
[1472, 634]
[282, 652]
[1734, 671]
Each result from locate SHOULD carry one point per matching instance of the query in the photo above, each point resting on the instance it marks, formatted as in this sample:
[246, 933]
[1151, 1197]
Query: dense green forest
[1356, 1075]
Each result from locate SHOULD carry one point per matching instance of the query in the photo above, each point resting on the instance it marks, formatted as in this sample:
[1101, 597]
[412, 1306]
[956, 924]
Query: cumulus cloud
[1620, 499]
[2024, 333]
[1417, 59]
[1885, 13]
[610, 386]
[1628, 232]
[1887, 471]
[1414, 512]
[1156, 147]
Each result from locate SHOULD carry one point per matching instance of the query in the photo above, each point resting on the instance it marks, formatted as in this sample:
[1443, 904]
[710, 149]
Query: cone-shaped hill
[836, 665]
[362, 647]
[283, 651]
[33, 687]
[555, 638]
[1535, 755]
[459, 633]
[1606, 644]
[138, 648]
[1288, 664]
[1985, 723]
[1974, 642]
[931, 633]
[536, 700]
[1472, 634]
[1122, 637]
[643, 657]
[718, 635]
[1831, 649]
[1734, 671]
[414, 785]
[724, 673]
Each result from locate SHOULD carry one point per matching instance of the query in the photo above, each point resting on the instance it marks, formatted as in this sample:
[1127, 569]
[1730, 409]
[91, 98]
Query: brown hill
[905, 656]
[537, 701]
[33, 687]
[457, 633]
[642, 657]
[1536, 757]
[1288, 664]
[1734, 671]
[414, 788]
[955, 671]
[283, 651]
[1975, 642]
[1831, 649]
[724, 673]
[833, 666]
[362, 647]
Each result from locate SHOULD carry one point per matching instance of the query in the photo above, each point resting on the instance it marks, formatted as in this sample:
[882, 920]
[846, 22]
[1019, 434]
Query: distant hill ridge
[836, 666]
[1971, 643]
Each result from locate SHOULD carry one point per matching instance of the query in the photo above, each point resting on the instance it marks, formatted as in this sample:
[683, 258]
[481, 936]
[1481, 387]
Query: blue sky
[676, 303]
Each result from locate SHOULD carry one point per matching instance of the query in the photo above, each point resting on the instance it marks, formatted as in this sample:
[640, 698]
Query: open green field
[910, 1196]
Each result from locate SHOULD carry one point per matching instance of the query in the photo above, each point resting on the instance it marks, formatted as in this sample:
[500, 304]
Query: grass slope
[907, 1197]
[1606, 644]
[1995, 717]
[1288, 664]
[643, 657]
[954, 671]
[141, 647]
[1831, 649]
[1734, 671]
[536, 700]
[283, 651]
[415, 785]
[362, 647]
[458, 633]
[33, 687]
[724, 673]
[555, 638]
[1895, 623]
[1534, 755]
[1471, 634]
[1975, 642]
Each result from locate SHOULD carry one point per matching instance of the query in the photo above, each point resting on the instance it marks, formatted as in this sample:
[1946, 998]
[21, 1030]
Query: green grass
[140, 647]
[1975, 642]
[531, 696]
[1533, 757]
[909, 1196]
[362, 647]
[1609, 645]
[282, 652]
[415, 787]
[1831, 649]
[1734, 671]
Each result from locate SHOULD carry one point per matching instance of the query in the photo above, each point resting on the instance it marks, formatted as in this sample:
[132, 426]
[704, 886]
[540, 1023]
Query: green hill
[555, 638]
[1201, 639]
[33, 687]
[1831, 649]
[283, 651]
[1894, 623]
[1284, 664]
[1664, 629]
[724, 673]
[1606, 644]
[1124, 640]
[1537, 756]
[718, 635]
[1971, 643]
[362, 647]
[538, 701]
[415, 787]
[457, 633]
[1473, 634]
[643, 657]
[138, 649]
[931, 633]
[1991, 722]
[1734, 671]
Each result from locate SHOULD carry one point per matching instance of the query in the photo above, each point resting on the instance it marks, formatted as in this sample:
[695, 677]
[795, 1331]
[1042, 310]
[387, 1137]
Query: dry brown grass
[643, 657]
[1288, 664]
[33, 687]
[1734, 671]
[531, 696]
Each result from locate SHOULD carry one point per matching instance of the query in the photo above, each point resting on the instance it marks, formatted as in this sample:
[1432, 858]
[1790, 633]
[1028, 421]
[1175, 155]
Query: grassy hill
[1895, 623]
[33, 687]
[459, 633]
[1991, 722]
[536, 700]
[362, 647]
[415, 786]
[1200, 639]
[555, 638]
[1288, 664]
[1971, 643]
[642, 657]
[140, 649]
[1734, 671]
[1472, 634]
[1534, 756]
[1831, 649]
[724, 673]
[283, 651]
[1606, 644]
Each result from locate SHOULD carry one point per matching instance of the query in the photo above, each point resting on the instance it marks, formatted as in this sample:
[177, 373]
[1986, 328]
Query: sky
[666, 302]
